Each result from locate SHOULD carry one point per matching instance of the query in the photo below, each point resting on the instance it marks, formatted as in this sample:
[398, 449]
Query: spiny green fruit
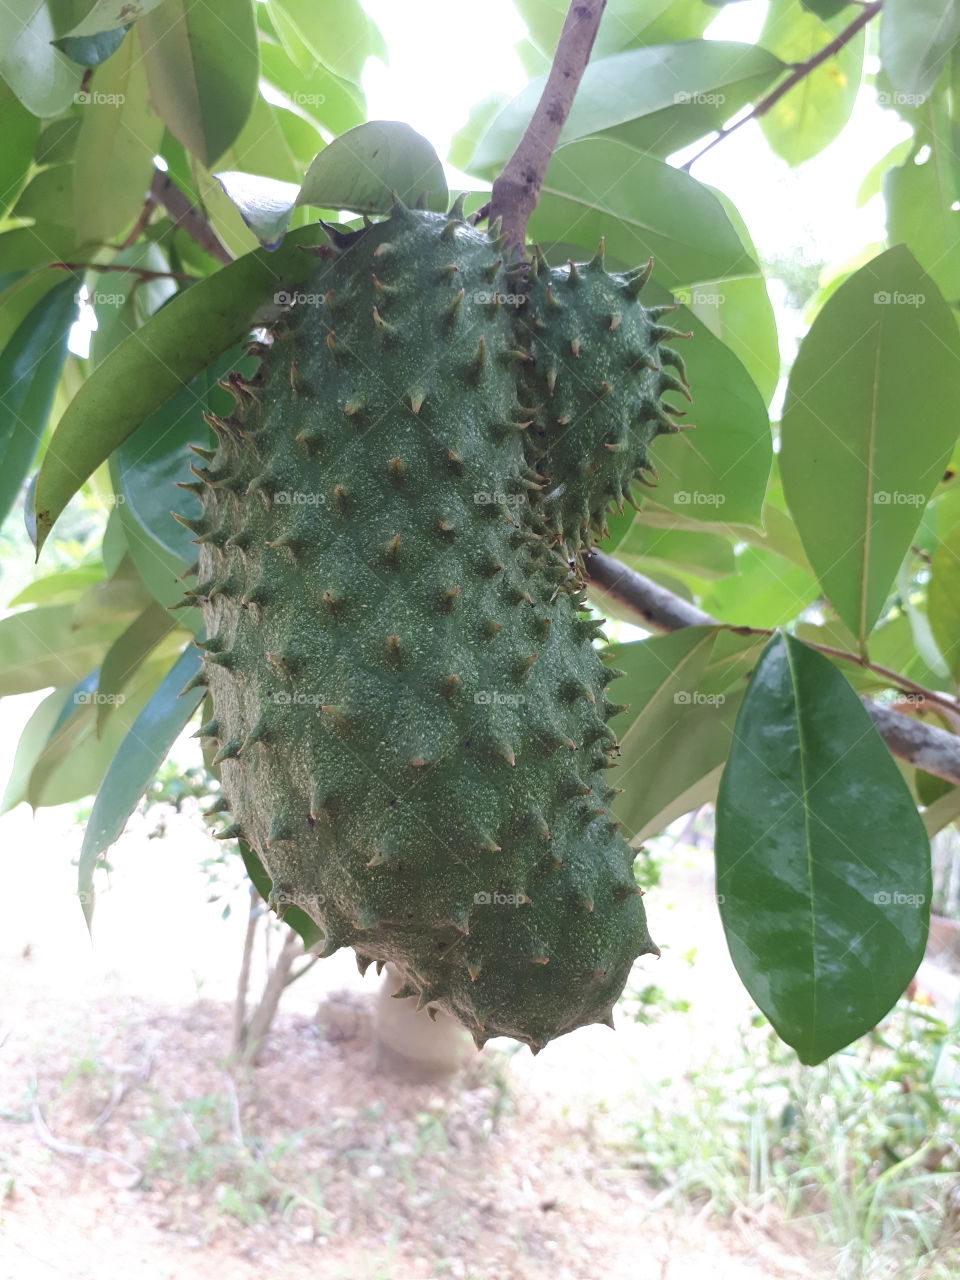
[593, 389]
[408, 708]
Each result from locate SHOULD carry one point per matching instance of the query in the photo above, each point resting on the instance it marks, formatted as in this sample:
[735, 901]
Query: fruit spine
[409, 712]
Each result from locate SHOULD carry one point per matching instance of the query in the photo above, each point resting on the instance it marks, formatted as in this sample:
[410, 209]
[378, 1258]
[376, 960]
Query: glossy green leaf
[107, 15]
[363, 167]
[127, 653]
[823, 864]
[41, 647]
[765, 591]
[20, 130]
[342, 40]
[943, 601]
[35, 735]
[152, 364]
[143, 750]
[591, 190]
[916, 38]
[658, 98]
[160, 571]
[920, 212]
[90, 51]
[718, 472]
[676, 732]
[812, 114]
[24, 248]
[294, 916]
[827, 8]
[119, 136]
[626, 24]
[30, 367]
[59, 588]
[333, 102]
[884, 351]
[47, 195]
[203, 65]
[705, 554]
[264, 204]
[75, 759]
[41, 77]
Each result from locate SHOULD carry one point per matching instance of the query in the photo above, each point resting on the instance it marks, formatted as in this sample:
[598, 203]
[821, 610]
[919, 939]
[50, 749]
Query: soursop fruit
[593, 390]
[409, 712]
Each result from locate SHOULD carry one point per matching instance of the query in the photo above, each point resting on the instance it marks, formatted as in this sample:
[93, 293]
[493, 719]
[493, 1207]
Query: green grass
[864, 1147]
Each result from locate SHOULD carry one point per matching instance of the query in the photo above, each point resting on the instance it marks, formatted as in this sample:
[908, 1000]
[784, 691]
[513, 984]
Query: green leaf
[823, 865]
[363, 167]
[705, 554]
[41, 647]
[41, 77]
[814, 112]
[122, 301]
[719, 472]
[625, 25]
[335, 103]
[264, 204]
[680, 722]
[127, 653]
[59, 588]
[764, 592]
[47, 195]
[90, 51]
[203, 66]
[916, 37]
[920, 212]
[143, 750]
[56, 142]
[119, 136]
[107, 15]
[160, 571]
[33, 739]
[943, 600]
[341, 41]
[118, 599]
[872, 183]
[147, 367]
[942, 812]
[30, 367]
[20, 131]
[827, 8]
[595, 187]
[658, 99]
[294, 916]
[883, 352]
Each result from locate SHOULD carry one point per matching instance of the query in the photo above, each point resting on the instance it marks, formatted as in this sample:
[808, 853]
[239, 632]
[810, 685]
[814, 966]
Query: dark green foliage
[409, 712]
[592, 391]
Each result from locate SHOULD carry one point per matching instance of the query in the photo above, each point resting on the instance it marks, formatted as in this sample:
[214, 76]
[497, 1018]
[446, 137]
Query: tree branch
[165, 192]
[796, 76]
[923, 745]
[517, 189]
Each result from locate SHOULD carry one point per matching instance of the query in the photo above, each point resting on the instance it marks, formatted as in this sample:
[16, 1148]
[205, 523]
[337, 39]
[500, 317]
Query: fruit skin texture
[409, 713]
[594, 388]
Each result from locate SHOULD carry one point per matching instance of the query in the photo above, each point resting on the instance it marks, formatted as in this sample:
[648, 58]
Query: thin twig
[517, 189]
[73, 1148]
[165, 192]
[142, 272]
[798, 74]
[924, 745]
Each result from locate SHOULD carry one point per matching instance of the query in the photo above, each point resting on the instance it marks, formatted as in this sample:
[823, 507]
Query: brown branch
[142, 272]
[797, 75]
[922, 745]
[165, 192]
[517, 189]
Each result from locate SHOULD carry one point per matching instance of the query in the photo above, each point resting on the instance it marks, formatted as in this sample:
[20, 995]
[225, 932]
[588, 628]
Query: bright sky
[445, 56]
